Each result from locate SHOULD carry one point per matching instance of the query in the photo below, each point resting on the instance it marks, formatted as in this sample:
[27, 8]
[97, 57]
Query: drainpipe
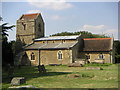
[39, 56]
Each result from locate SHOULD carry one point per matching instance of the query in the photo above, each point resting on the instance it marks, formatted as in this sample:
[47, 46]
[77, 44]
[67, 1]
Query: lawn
[58, 77]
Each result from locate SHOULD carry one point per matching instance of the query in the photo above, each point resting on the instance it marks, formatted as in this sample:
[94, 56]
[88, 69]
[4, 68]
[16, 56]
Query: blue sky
[95, 17]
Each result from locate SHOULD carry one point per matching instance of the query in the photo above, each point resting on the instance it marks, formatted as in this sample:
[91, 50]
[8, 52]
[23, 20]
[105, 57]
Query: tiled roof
[29, 16]
[51, 46]
[58, 38]
[97, 44]
[96, 38]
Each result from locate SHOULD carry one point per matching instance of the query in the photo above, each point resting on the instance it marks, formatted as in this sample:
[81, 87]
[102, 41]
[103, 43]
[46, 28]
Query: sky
[62, 16]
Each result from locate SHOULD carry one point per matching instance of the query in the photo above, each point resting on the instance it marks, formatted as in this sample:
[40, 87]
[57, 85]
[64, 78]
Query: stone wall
[25, 35]
[94, 57]
[34, 28]
[49, 57]
[36, 53]
[39, 27]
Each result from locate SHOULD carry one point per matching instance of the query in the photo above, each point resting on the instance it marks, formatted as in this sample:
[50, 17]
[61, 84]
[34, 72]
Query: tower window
[32, 56]
[39, 27]
[24, 26]
[59, 55]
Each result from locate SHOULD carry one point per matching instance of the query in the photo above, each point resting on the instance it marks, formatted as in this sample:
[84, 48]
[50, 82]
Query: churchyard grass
[57, 77]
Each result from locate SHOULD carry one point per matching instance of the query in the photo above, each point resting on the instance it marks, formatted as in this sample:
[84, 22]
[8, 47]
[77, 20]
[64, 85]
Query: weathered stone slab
[94, 68]
[23, 87]
[73, 75]
[75, 65]
[17, 81]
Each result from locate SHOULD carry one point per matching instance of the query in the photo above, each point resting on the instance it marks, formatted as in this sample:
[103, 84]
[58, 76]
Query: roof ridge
[31, 14]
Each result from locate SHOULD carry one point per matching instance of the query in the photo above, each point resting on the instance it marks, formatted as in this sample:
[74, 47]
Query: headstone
[75, 65]
[94, 68]
[73, 75]
[17, 81]
[24, 87]
[41, 69]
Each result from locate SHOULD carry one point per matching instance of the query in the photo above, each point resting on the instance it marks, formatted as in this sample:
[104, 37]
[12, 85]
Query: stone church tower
[29, 27]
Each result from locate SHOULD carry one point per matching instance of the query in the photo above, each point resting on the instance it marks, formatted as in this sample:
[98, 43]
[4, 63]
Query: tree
[7, 53]
[117, 51]
[84, 34]
[5, 29]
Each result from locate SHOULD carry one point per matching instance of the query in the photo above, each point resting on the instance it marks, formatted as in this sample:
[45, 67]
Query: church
[58, 49]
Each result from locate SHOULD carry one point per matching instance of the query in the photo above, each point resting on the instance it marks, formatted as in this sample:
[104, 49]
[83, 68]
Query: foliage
[117, 51]
[17, 46]
[117, 47]
[7, 53]
[84, 34]
[5, 29]
[57, 77]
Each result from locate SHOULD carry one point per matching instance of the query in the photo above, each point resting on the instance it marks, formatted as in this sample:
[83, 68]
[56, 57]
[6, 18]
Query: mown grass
[57, 77]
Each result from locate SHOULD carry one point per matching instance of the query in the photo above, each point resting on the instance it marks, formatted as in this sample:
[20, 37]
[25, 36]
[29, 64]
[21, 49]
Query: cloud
[91, 27]
[101, 29]
[34, 11]
[51, 4]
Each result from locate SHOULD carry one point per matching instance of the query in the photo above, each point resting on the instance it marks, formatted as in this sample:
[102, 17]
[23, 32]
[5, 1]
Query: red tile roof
[29, 16]
[97, 44]
[96, 38]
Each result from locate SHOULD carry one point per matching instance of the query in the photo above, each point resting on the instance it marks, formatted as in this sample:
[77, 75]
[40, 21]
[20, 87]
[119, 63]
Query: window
[32, 56]
[88, 56]
[59, 55]
[24, 26]
[39, 27]
[101, 56]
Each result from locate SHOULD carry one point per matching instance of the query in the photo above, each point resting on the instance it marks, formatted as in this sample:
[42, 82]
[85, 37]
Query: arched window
[101, 56]
[59, 55]
[32, 56]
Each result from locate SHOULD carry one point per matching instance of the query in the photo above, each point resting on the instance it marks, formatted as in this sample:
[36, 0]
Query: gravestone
[94, 68]
[25, 87]
[75, 65]
[41, 69]
[17, 81]
[73, 75]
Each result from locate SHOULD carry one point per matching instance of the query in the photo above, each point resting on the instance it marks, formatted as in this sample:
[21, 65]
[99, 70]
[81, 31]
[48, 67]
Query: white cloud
[101, 29]
[34, 11]
[92, 27]
[51, 4]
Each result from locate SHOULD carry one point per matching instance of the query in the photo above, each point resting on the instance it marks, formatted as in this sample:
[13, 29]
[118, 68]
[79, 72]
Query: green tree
[84, 34]
[117, 51]
[7, 53]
